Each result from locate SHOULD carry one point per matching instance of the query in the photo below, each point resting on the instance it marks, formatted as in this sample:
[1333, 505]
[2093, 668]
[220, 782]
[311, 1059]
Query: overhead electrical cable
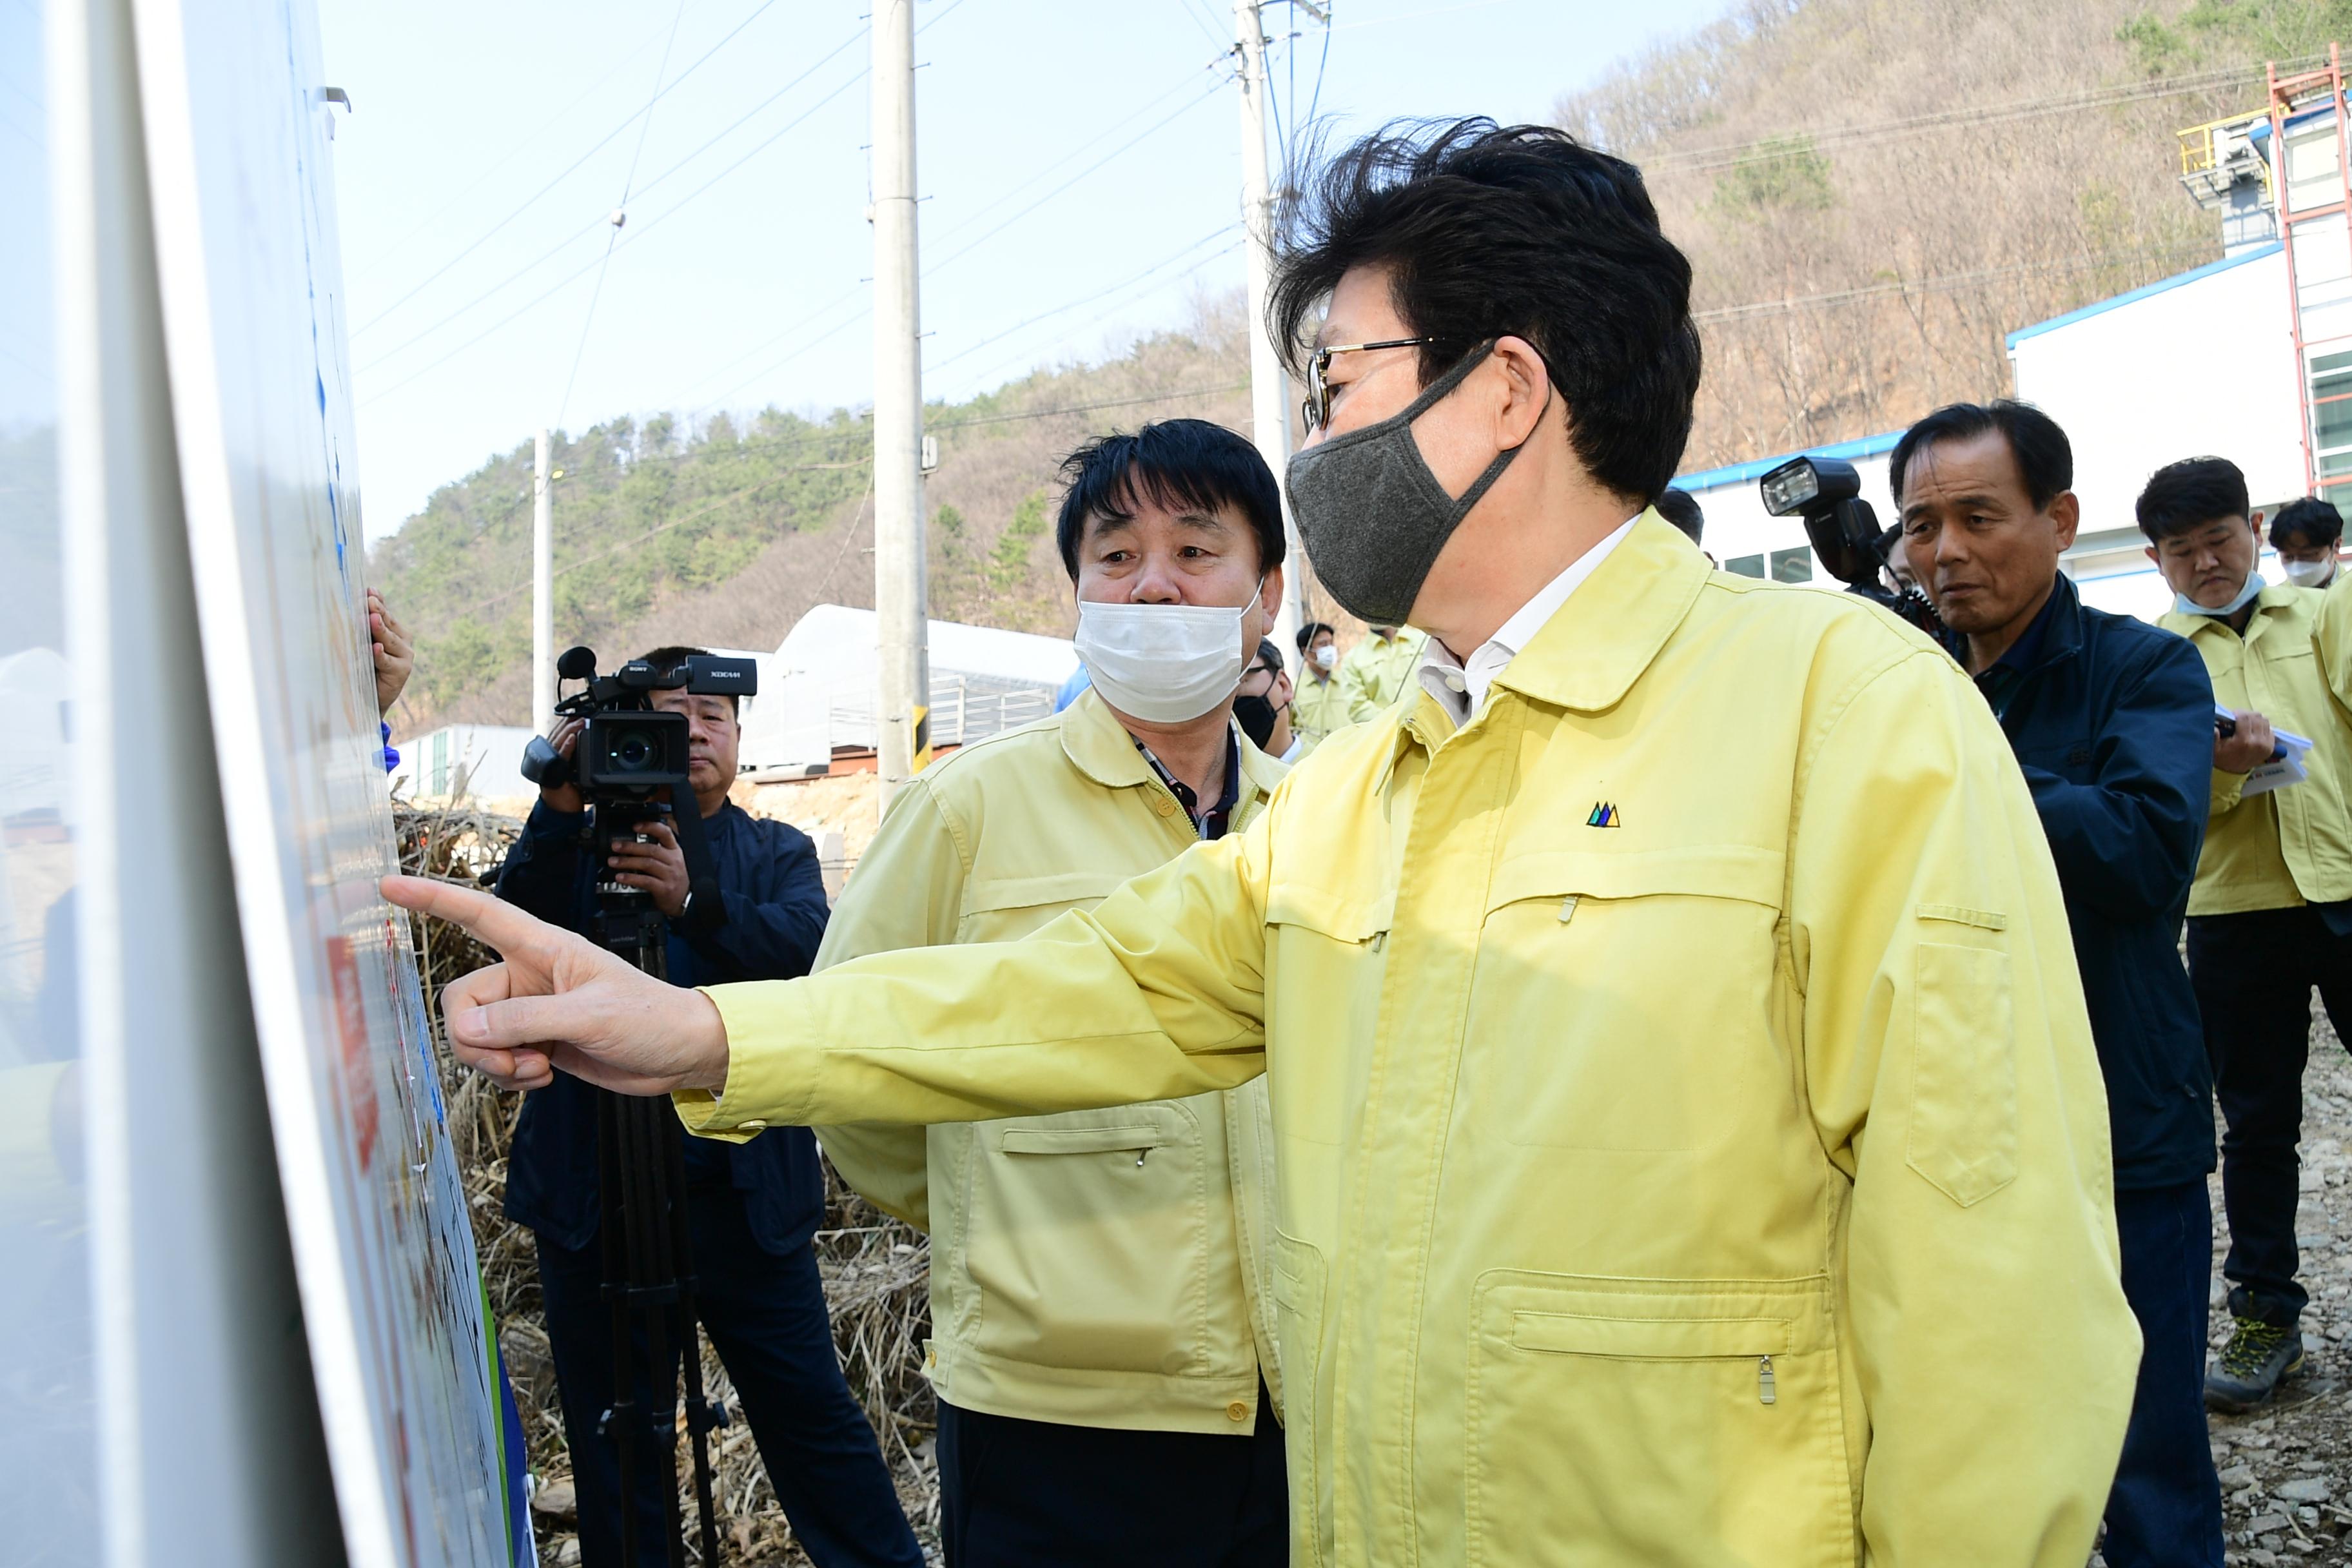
[565, 243]
[1004, 364]
[1944, 284]
[627, 59]
[1220, 231]
[947, 261]
[568, 170]
[1799, 142]
[620, 216]
[1170, 395]
[649, 224]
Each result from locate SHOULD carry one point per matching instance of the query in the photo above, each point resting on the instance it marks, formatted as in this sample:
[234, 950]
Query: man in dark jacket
[753, 1208]
[2112, 721]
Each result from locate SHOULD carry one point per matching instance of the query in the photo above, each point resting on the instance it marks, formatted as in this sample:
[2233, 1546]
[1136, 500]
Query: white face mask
[1164, 664]
[2308, 573]
[2188, 606]
[1327, 657]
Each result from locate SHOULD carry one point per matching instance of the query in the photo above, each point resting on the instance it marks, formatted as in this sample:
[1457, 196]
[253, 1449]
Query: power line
[947, 261]
[1169, 396]
[1948, 283]
[1001, 365]
[620, 216]
[1221, 230]
[655, 182]
[556, 288]
[547, 124]
[1796, 144]
[568, 171]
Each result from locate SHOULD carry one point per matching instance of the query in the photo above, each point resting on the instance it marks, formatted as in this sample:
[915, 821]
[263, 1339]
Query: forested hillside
[1873, 194]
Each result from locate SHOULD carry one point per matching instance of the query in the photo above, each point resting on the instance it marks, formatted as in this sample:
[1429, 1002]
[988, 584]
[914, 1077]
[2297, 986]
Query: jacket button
[1163, 805]
[1237, 1410]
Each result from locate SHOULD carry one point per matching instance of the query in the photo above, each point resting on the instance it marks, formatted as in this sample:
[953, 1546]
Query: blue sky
[1080, 164]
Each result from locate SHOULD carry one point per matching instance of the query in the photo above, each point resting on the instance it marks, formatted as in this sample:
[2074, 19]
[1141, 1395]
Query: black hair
[670, 659]
[2315, 520]
[2045, 458]
[1309, 632]
[1681, 509]
[1175, 462]
[2189, 494]
[1269, 655]
[1486, 230]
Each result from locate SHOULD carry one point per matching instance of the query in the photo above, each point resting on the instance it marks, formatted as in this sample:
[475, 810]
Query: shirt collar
[1211, 823]
[1461, 687]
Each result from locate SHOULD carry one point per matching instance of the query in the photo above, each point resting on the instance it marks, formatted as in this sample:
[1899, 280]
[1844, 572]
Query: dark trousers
[2253, 974]
[2166, 1506]
[766, 1318]
[1036, 1494]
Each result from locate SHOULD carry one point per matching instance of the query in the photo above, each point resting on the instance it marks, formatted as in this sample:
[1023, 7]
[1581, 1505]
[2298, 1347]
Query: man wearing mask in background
[1264, 705]
[1319, 703]
[752, 1209]
[2308, 534]
[1690, 1148]
[1103, 1336]
[1377, 669]
[2270, 915]
[2112, 723]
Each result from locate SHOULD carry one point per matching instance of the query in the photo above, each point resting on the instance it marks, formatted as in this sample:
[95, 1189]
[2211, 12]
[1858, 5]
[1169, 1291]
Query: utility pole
[542, 590]
[903, 665]
[1269, 387]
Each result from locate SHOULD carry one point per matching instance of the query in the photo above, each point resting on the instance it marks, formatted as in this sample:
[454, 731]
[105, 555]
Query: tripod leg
[698, 1420]
[619, 1422]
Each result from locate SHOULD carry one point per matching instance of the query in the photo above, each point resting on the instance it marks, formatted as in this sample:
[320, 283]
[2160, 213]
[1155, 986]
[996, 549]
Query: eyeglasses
[1316, 408]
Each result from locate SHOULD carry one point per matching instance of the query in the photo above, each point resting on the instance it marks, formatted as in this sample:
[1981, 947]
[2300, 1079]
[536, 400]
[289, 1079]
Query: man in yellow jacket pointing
[1689, 1142]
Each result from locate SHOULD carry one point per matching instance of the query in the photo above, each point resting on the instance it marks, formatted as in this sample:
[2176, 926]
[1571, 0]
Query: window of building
[2313, 177]
[2331, 417]
[1746, 565]
[1793, 565]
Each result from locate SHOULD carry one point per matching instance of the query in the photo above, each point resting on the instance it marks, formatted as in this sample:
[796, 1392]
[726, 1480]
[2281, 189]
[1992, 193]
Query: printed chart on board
[238, 138]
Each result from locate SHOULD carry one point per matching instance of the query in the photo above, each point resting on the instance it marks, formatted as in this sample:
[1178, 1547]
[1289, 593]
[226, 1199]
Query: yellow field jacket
[1317, 707]
[1096, 1267]
[2292, 845]
[1373, 671]
[1690, 1143]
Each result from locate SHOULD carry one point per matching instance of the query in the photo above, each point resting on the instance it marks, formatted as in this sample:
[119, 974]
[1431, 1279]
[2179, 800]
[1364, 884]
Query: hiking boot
[2257, 1358]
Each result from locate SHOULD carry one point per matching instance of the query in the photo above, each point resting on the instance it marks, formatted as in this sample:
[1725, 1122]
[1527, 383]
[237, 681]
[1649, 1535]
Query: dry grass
[876, 1271]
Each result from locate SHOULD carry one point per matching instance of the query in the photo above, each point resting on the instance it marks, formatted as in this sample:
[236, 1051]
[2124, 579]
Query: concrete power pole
[542, 591]
[1269, 387]
[903, 665]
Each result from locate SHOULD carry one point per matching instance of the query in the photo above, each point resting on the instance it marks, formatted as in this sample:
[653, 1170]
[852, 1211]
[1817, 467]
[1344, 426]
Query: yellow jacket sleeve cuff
[767, 1081]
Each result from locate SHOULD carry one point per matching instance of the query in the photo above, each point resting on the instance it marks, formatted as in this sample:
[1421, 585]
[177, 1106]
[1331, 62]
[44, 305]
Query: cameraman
[753, 1208]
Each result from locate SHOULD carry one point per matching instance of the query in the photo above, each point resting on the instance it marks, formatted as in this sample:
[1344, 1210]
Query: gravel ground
[2286, 1470]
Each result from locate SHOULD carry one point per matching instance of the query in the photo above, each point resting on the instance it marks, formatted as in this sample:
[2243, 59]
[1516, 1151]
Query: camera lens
[633, 752]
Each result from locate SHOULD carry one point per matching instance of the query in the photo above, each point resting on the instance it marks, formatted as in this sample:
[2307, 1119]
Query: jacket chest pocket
[1655, 1421]
[1004, 908]
[1086, 1242]
[1624, 1002]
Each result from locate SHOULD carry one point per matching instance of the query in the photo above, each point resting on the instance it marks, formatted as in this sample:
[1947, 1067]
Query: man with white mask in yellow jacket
[1691, 1147]
[1102, 1334]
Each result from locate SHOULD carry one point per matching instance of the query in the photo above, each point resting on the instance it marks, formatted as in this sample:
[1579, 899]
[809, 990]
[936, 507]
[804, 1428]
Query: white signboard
[237, 142]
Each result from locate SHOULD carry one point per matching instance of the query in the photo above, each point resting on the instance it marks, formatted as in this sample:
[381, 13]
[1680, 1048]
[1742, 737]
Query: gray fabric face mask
[1372, 516]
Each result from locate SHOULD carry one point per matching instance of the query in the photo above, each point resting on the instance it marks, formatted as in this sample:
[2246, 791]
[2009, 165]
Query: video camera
[1844, 531]
[629, 748]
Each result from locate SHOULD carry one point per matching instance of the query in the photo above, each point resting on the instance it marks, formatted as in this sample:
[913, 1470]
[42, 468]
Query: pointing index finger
[491, 921]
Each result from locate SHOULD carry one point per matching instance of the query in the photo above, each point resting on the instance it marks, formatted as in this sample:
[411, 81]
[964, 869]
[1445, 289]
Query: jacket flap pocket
[994, 893]
[1650, 1339]
[1713, 872]
[1350, 916]
[1126, 1137]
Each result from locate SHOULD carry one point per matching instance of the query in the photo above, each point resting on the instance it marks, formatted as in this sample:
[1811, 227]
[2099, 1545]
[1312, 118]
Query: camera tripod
[647, 1246]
